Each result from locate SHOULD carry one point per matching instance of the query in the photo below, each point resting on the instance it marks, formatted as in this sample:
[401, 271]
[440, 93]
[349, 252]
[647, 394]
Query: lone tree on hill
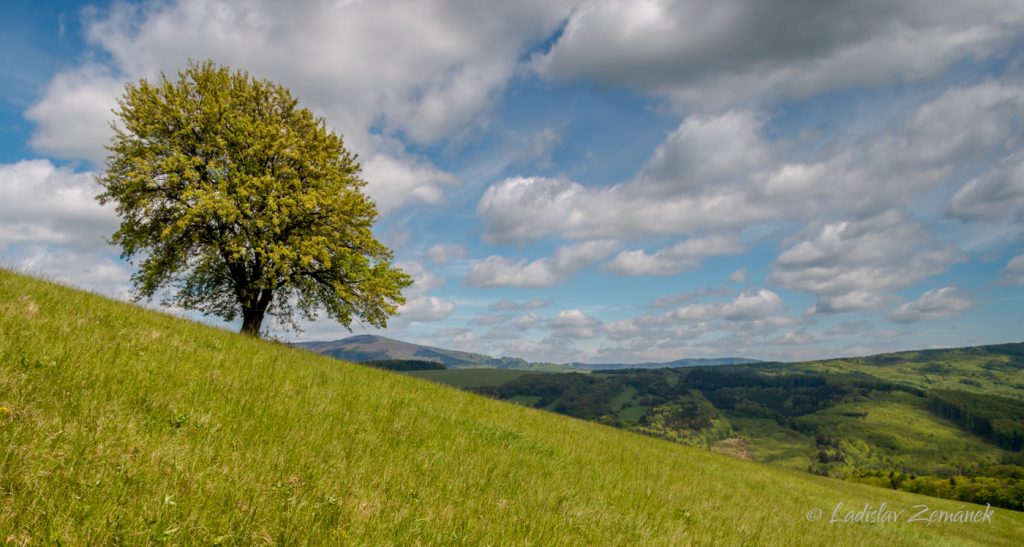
[242, 204]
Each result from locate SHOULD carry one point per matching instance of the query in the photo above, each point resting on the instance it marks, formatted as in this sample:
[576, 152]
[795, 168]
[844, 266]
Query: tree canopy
[237, 203]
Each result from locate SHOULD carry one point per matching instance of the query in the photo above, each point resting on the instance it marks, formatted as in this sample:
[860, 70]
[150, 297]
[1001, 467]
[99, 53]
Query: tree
[240, 203]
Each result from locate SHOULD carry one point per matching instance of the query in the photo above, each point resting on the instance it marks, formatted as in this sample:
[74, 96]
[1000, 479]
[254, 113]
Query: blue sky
[593, 181]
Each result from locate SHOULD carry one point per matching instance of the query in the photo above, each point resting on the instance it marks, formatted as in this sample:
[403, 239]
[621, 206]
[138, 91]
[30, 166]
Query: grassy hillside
[995, 370]
[120, 425]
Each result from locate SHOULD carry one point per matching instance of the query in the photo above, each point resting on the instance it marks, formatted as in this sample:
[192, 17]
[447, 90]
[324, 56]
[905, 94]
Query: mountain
[365, 347]
[120, 425]
[697, 362]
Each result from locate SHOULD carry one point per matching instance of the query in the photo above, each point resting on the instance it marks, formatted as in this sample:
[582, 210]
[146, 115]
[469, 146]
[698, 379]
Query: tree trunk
[252, 315]
[252, 320]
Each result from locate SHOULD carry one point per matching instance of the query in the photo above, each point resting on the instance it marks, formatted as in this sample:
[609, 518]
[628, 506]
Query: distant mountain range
[668, 364]
[368, 347]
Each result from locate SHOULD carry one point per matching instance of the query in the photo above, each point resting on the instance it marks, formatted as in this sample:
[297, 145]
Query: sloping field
[121, 425]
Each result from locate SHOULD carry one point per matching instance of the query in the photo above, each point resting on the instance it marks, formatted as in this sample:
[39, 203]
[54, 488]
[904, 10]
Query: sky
[592, 181]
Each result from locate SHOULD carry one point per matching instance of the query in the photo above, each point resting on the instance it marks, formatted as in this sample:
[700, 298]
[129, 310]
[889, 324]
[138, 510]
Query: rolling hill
[366, 347]
[120, 425]
[949, 422]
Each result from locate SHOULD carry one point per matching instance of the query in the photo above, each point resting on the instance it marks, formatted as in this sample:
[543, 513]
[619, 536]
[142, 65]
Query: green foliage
[243, 204]
[405, 365]
[999, 419]
[129, 427]
[689, 419]
[999, 486]
[471, 378]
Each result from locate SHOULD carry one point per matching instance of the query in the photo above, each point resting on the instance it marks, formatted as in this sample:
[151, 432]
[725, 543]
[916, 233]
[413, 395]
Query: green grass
[122, 425]
[977, 370]
[901, 432]
[468, 378]
[769, 442]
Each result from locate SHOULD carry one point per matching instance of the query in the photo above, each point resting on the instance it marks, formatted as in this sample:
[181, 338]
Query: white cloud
[419, 306]
[396, 179]
[794, 338]
[423, 279]
[627, 329]
[574, 324]
[747, 306]
[851, 301]
[852, 264]
[88, 270]
[527, 208]
[45, 204]
[705, 152]
[421, 71]
[739, 276]
[995, 195]
[527, 321]
[464, 337]
[686, 255]
[73, 118]
[1013, 273]
[745, 50]
[442, 253]
[498, 271]
[685, 190]
[933, 304]
[426, 308]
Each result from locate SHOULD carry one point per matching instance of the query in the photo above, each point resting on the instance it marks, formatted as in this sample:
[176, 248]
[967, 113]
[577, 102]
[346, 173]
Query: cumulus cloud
[685, 190]
[396, 179]
[499, 271]
[933, 304]
[424, 280]
[574, 324]
[993, 196]
[745, 50]
[88, 270]
[527, 321]
[851, 301]
[747, 306]
[852, 264]
[49, 205]
[426, 308]
[72, 120]
[683, 256]
[445, 65]
[1013, 273]
[794, 338]
[442, 253]
[421, 307]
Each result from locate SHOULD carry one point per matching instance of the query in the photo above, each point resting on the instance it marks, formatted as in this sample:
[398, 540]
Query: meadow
[120, 425]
